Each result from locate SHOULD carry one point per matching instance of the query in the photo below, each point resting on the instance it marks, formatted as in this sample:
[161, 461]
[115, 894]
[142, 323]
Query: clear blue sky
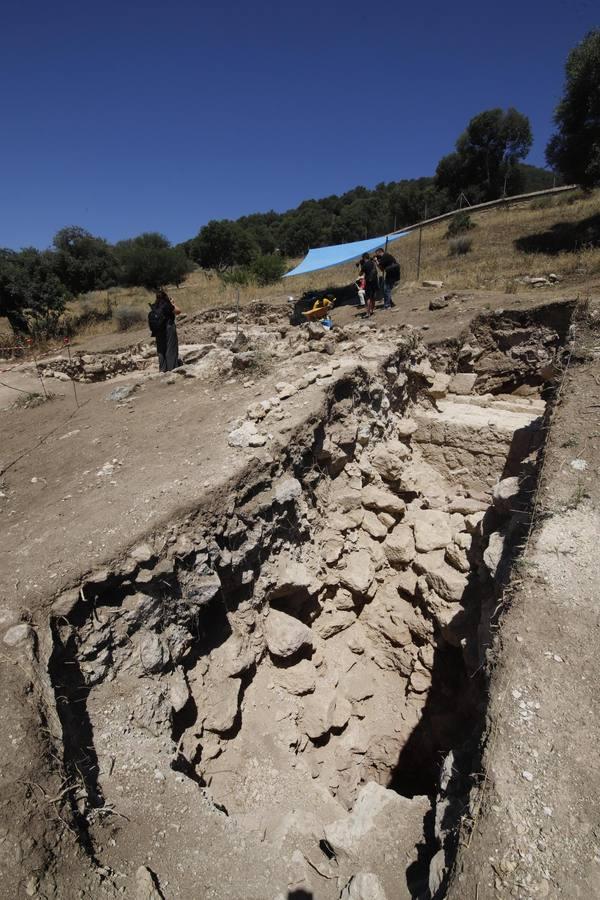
[128, 117]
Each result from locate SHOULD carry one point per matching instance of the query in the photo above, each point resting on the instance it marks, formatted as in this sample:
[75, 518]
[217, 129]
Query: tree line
[487, 163]
[36, 285]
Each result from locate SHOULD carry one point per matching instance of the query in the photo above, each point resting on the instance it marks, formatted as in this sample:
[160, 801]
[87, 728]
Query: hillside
[494, 262]
[362, 212]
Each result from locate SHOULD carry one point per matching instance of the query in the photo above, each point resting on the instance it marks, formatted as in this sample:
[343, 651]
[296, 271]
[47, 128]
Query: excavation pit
[297, 678]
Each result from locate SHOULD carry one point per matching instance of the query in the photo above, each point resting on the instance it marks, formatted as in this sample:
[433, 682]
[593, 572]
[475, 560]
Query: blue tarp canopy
[324, 257]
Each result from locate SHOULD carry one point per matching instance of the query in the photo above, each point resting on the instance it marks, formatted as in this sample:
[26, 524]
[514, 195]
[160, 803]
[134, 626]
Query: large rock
[246, 436]
[432, 530]
[389, 459]
[406, 428]
[420, 478]
[332, 621]
[154, 653]
[462, 383]
[293, 577]
[317, 717]
[285, 635]
[456, 556]
[364, 886]
[492, 555]
[19, 634]
[221, 704]
[399, 546]
[233, 657]
[375, 808]
[297, 680]
[382, 500]
[439, 387]
[179, 691]
[373, 525]
[447, 582]
[505, 493]
[358, 573]
[145, 885]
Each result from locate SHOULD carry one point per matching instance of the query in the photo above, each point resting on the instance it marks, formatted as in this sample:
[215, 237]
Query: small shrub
[128, 317]
[459, 224]
[238, 277]
[510, 287]
[268, 269]
[542, 203]
[571, 197]
[459, 246]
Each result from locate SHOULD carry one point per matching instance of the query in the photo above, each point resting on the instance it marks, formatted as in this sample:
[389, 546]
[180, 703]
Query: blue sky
[128, 117]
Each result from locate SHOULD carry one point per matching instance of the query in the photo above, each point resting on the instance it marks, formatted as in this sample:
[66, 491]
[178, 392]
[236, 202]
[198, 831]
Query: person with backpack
[390, 268]
[368, 271]
[161, 321]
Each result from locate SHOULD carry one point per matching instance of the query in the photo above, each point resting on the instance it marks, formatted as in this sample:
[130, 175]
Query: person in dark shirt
[167, 342]
[390, 268]
[368, 270]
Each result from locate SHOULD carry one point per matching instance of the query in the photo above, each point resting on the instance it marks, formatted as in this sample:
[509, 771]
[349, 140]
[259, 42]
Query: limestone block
[407, 582]
[432, 530]
[439, 386]
[406, 428]
[447, 582]
[344, 600]
[332, 621]
[293, 577]
[374, 526]
[358, 572]
[457, 557]
[363, 886]
[388, 459]
[505, 493]
[154, 653]
[492, 555]
[286, 635]
[221, 704]
[382, 500]
[428, 562]
[375, 807]
[462, 383]
[467, 505]
[399, 546]
[298, 680]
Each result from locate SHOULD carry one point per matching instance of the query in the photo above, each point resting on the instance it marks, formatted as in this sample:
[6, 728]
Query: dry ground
[60, 520]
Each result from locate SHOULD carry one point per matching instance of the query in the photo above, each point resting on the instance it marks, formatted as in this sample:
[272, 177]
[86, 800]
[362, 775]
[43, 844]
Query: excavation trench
[288, 690]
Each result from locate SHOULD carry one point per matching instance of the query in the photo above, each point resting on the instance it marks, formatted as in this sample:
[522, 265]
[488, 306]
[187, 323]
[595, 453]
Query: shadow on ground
[563, 237]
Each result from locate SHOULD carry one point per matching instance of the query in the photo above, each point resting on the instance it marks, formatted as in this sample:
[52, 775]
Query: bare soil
[85, 480]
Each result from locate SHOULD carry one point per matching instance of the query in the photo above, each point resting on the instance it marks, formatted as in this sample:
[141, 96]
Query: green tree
[268, 268]
[222, 244]
[83, 262]
[487, 152]
[150, 261]
[32, 297]
[575, 148]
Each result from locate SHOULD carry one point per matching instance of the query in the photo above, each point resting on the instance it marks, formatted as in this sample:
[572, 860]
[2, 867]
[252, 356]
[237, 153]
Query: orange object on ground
[319, 310]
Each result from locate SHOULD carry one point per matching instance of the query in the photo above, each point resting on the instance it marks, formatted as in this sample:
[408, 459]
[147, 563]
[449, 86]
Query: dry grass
[493, 262]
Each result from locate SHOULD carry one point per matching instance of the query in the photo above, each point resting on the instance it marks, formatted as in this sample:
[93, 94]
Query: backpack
[157, 319]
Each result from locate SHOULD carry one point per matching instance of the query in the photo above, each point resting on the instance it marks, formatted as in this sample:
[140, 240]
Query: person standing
[368, 270]
[161, 320]
[390, 268]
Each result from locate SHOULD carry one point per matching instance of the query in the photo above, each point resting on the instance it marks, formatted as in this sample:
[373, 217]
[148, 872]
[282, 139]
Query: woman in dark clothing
[368, 270]
[162, 324]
